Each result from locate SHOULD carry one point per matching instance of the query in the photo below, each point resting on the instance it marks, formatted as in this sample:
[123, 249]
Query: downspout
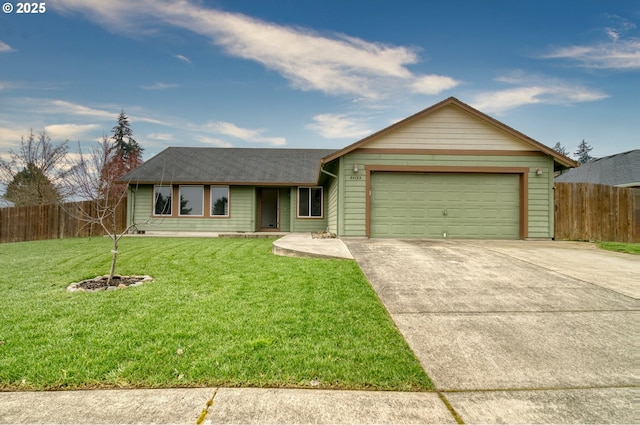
[131, 209]
[322, 170]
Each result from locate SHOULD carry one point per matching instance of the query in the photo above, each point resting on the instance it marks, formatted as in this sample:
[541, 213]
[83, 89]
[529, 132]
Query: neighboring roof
[452, 101]
[239, 166]
[622, 169]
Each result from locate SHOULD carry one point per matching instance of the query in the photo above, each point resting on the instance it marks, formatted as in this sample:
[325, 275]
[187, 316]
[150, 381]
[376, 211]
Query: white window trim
[155, 199]
[211, 200]
[180, 199]
[321, 202]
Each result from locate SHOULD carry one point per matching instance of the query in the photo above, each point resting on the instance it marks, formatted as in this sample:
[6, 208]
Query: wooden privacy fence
[595, 212]
[38, 222]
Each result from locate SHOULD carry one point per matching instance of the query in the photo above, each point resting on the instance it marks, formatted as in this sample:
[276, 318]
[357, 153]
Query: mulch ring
[101, 283]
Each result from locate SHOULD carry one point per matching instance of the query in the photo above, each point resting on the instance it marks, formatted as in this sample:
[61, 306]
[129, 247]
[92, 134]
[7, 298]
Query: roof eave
[222, 183]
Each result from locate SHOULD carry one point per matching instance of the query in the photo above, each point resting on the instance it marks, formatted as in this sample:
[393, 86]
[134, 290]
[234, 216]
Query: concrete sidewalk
[291, 406]
[229, 406]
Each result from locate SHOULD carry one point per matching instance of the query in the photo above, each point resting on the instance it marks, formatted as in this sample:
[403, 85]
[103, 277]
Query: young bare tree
[93, 182]
[36, 173]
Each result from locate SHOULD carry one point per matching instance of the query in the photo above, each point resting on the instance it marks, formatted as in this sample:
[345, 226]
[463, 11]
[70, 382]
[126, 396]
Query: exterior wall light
[355, 168]
[538, 171]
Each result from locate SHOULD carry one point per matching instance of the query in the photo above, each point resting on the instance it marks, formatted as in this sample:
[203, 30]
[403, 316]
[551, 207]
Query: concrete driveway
[516, 331]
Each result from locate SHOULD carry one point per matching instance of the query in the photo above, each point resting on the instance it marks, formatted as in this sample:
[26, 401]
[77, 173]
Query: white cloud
[183, 58]
[70, 131]
[65, 108]
[617, 54]
[162, 137]
[338, 126]
[335, 64]
[10, 137]
[245, 134]
[62, 106]
[213, 141]
[533, 90]
[433, 84]
[5, 48]
[160, 86]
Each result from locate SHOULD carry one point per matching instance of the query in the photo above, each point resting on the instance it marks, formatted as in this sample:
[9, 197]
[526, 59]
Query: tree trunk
[114, 259]
[114, 251]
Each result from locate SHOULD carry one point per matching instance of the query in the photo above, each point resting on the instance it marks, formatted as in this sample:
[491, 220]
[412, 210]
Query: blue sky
[317, 74]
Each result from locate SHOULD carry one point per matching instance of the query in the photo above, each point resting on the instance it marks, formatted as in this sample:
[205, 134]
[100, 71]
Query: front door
[269, 215]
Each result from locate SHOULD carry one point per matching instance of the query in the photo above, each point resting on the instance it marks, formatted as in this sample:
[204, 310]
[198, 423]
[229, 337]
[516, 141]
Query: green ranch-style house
[449, 171]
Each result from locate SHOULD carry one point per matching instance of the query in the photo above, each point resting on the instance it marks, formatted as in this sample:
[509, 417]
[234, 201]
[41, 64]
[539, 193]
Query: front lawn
[629, 248]
[221, 312]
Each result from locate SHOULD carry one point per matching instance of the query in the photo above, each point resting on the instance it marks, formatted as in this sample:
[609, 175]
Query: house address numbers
[355, 177]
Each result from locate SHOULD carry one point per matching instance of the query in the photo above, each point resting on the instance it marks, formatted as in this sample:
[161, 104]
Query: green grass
[221, 312]
[629, 248]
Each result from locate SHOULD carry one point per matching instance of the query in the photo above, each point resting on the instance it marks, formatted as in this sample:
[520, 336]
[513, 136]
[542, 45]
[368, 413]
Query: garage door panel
[430, 205]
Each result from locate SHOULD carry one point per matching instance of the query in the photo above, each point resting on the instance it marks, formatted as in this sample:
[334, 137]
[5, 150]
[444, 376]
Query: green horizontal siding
[241, 214]
[285, 209]
[353, 186]
[332, 210]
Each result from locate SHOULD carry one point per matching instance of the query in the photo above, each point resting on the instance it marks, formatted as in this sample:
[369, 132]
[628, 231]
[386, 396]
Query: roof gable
[452, 125]
[239, 166]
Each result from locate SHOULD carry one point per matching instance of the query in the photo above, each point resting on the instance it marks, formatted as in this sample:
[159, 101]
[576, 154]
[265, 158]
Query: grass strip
[628, 248]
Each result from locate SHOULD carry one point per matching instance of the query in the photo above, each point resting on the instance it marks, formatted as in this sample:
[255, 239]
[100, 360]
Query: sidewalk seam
[453, 412]
[205, 411]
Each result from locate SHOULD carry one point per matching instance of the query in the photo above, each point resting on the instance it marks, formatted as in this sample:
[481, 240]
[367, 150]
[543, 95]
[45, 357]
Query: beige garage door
[439, 205]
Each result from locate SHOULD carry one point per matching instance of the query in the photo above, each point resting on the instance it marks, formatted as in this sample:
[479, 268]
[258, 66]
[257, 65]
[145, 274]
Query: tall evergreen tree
[582, 154]
[561, 149]
[126, 145]
[124, 155]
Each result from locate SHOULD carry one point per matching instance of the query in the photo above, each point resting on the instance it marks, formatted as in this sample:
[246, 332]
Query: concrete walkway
[304, 245]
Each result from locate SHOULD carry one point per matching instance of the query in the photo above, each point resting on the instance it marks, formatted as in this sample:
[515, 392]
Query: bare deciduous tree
[36, 173]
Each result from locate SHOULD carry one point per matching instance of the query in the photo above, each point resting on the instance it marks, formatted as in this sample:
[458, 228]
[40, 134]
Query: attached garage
[445, 205]
[449, 171]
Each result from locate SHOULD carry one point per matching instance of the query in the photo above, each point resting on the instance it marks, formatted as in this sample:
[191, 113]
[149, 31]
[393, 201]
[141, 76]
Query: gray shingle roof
[622, 169]
[231, 166]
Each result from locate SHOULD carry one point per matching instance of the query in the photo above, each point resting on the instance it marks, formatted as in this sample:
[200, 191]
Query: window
[191, 200]
[309, 202]
[219, 201]
[162, 200]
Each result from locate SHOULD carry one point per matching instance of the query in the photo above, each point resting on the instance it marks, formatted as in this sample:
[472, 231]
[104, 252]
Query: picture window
[310, 202]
